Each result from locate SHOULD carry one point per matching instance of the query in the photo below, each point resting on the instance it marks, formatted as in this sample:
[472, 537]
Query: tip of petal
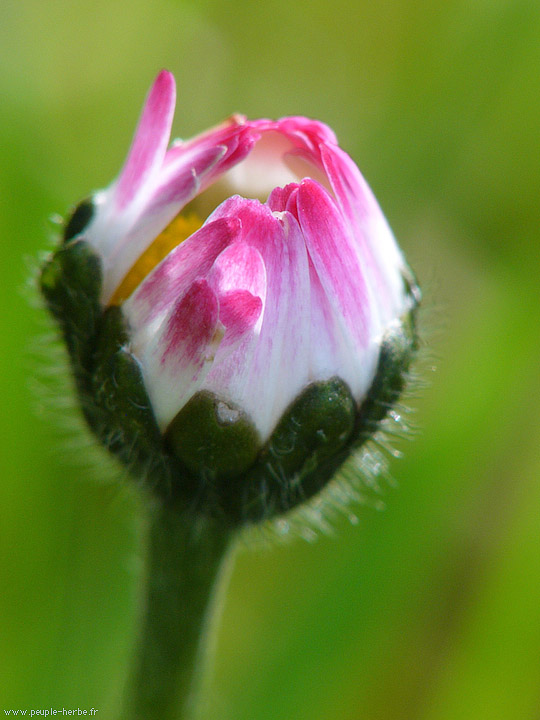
[150, 141]
[239, 311]
[236, 119]
[165, 77]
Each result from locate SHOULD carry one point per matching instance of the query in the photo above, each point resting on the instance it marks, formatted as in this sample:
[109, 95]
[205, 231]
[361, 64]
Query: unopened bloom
[237, 311]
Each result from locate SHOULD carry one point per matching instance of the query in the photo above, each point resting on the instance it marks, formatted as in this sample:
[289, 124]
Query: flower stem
[186, 558]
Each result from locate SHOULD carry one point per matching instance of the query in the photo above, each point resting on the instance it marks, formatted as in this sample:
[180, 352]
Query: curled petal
[239, 266]
[180, 354]
[279, 197]
[207, 156]
[171, 279]
[239, 278]
[305, 133]
[239, 311]
[182, 180]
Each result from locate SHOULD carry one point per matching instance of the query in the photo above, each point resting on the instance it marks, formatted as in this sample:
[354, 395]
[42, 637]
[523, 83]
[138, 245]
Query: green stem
[186, 556]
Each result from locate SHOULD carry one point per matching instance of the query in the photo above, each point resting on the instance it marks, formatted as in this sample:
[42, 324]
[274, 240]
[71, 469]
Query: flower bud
[238, 316]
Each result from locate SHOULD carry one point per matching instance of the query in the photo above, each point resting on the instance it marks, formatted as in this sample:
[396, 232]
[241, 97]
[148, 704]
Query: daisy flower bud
[238, 315]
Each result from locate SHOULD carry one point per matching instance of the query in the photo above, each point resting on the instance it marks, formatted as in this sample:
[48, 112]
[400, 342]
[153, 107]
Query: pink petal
[235, 154]
[304, 132]
[239, 266]
[166, 184]
[189, 169]
[344, 313]
[177, 359]
[180, 181]
[163, 203]
[175, 274]
[331, 351]
[279, 197]
[264, 372]
[239, 278]
[223, 134]
[335, 259]
[285, 151]
[190, 326]
[374, 239]
[243, 209]
[150, 141]
[234, 140]
[239, 310]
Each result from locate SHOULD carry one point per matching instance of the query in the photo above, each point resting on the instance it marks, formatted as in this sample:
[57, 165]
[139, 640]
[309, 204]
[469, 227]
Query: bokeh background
[426, 610]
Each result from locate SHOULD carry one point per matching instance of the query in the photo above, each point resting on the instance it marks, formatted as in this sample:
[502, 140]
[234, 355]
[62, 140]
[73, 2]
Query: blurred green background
[428, 610]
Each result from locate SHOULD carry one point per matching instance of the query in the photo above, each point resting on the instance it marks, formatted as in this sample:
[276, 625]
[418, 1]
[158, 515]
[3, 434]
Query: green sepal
[412, 289]
[297, 460]
[108, 378]
[214, 439]
[397, 351]
[120, 412]
[70, 282]
[80, 218]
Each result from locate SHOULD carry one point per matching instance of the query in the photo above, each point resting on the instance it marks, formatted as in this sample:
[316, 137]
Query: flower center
[175, 233]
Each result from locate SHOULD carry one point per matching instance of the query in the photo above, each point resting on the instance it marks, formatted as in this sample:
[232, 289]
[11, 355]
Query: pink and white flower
[291, 274]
